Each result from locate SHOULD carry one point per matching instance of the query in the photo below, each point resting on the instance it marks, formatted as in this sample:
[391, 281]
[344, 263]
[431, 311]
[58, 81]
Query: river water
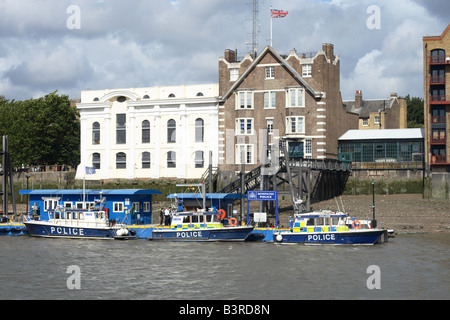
[409, 267]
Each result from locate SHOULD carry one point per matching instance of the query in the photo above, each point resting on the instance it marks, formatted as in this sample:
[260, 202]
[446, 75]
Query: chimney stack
[358, 99]
[230, 55]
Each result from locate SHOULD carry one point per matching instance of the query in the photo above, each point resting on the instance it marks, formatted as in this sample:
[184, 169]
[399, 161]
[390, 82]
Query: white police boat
[327, 227]
[78, 224]
[202, 226]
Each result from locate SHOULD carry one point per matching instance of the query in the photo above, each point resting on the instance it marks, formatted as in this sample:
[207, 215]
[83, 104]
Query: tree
[415, 112]
[44, 131]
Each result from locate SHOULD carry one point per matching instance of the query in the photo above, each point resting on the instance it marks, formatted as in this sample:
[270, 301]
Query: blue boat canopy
[91, 192]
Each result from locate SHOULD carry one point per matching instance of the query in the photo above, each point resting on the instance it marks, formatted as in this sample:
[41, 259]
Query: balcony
[440, 99]
[440, 160]
[439, 60]
[437, 80]
[435, 140]
[438, 119]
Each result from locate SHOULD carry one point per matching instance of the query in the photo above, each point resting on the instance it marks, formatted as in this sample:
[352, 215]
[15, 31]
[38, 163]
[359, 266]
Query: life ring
[232, 222]
[356, 224]
[221, 216]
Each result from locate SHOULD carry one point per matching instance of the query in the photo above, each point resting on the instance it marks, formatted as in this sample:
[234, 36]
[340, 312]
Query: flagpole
[271, 19]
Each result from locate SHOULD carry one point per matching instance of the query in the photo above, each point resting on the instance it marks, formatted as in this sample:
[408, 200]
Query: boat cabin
[79, 217]
[195, 220]
[323, 221]
[127, 206]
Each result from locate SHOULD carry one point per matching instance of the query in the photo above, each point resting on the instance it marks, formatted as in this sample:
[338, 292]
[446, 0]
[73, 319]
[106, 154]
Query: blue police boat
[202, 226]
[327, 227]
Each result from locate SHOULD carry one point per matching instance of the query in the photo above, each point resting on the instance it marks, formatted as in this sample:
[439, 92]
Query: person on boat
[161, 217]
[167, 217]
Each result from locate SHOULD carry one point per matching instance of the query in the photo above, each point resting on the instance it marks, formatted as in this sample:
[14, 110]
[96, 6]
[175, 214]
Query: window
[121, 130]
[96, 133]
[146, 207]
[365, 122]
[269, 126]
[270, 72]
[308, 148]
[295, 98]
[171, 131]
[146, 160]
[121, 160]
[171, 159]
[145, 131]
[117, 206]
[295, 125]
[171, 95]
[244, 126]
[244, 153]
[50, 204]
[234, 74]
[376, 120]
[96, 160]
[199, 160]
[199, 130]
[245, 100]
[270, 99]
[306, 70]
[135, 206]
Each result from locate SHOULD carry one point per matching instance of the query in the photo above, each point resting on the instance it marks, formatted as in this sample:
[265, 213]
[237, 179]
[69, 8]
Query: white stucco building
[153, 132]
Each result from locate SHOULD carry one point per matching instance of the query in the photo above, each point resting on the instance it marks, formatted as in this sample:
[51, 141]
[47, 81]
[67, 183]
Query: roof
[209, 196]
[383, 134]
[258, 59]
[104, 192]
[368, 106]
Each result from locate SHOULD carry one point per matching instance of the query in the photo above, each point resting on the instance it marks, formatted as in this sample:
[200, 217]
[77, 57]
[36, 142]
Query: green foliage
[42, 131]
[415, 112]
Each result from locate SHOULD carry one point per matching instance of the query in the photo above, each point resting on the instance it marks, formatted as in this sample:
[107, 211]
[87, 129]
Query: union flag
[278, 13]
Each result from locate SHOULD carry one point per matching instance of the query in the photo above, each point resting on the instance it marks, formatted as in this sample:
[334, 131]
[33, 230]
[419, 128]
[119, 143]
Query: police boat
[327, 227]
[202, 226]
[78, 224]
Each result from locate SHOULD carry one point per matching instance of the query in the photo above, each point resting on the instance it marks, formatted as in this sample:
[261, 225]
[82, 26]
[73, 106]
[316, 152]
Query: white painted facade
[144, 147]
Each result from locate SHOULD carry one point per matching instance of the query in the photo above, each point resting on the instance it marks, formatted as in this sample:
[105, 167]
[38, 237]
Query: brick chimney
[358, 99]
[230, 55]
[328, 48]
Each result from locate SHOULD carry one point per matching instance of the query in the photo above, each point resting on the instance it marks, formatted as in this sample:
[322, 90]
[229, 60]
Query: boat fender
[356, 224]
[232, 222]
[279, 238]
[221, 216]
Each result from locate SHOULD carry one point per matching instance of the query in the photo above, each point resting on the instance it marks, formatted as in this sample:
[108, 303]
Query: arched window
[171, 131]
[146, 96]
[199, 130]
[96, 133]
[437, 56]
[121, 160]
[199, 159]
[200, 94]
[171, 159]
[96, 160]
[171, 95]
[145, 131]
[146, 160]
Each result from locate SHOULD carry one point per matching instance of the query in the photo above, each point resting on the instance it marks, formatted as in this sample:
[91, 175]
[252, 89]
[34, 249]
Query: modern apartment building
[436, 71]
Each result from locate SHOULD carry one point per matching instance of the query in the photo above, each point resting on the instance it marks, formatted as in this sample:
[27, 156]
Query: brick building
[436, 71]
[296, 97]
[379, 113]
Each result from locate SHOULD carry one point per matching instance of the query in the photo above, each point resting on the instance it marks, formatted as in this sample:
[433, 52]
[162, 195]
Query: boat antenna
[343, 209]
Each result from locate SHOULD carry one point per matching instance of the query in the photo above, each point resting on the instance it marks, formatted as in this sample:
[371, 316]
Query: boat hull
[363, 237]
[47, 230]
[212, 234]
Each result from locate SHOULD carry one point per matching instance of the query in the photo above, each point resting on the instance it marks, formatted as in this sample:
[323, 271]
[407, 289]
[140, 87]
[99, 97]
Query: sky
[76, 45]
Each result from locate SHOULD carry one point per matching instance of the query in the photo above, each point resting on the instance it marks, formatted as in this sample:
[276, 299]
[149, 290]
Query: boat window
[310, 222]
[335, 221]
[81, 216]
[186, 219]
[75, 215]
[194, 219]
[319, 221]
[327, 221]
[200, 219]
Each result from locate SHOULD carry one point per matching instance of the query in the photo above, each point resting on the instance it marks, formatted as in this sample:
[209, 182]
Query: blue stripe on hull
[226, 234]
[361, 237]
[39, 230]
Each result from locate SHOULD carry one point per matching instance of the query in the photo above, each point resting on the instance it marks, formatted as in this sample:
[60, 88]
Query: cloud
[123, 44]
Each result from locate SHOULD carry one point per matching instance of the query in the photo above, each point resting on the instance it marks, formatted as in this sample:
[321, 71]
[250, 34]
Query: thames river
[407, 267]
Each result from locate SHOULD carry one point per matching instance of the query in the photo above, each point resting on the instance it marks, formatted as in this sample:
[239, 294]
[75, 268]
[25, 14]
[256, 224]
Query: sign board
[259, 217]
[262, 195]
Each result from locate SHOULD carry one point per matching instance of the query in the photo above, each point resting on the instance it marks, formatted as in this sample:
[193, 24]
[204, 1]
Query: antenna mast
[255, 32]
